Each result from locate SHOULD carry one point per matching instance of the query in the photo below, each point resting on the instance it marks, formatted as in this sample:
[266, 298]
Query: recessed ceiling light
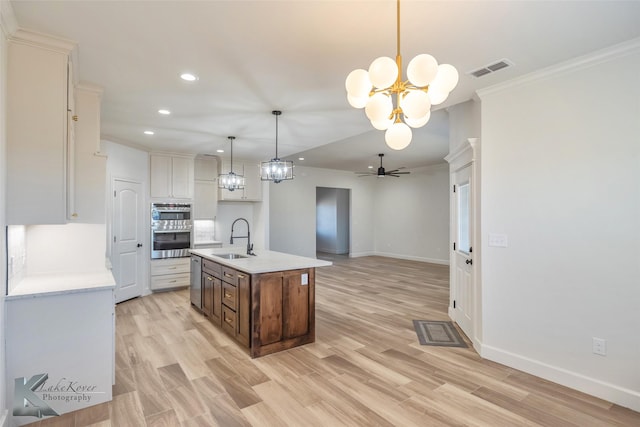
[164, 112]
[149, 132]
[188, 77]
[300, 158]
[370, 167]
[219, 151]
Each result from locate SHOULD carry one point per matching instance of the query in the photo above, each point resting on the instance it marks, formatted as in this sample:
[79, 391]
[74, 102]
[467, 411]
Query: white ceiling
[256, 56]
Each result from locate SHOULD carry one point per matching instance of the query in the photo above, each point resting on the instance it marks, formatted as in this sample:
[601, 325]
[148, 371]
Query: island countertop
[264, 261]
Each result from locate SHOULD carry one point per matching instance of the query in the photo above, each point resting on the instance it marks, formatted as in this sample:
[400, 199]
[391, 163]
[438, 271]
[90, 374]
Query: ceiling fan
[381, 173]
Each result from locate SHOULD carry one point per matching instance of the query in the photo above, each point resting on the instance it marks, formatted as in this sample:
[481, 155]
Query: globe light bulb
[357, 102]
[415, 104]
[358, 84]
[398, 136]
[422, 70]
[379, 107]
[383, 72]
[418, 123]
[446, 79]
[382, 124]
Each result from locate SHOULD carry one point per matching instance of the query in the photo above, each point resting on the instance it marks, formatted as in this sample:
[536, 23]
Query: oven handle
[177, 230]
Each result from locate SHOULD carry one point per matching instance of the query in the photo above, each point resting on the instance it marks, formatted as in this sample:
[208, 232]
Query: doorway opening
[333, 218]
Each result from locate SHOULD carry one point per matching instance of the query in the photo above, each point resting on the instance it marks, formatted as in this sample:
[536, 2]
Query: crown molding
[42, 40]
[603, 55]
[8, 20]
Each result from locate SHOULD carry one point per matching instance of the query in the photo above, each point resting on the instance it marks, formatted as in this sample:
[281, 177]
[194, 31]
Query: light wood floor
[366, 367]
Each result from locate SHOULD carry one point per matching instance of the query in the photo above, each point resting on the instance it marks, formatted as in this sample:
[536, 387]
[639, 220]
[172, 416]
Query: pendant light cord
[398, 29]
[276, 113]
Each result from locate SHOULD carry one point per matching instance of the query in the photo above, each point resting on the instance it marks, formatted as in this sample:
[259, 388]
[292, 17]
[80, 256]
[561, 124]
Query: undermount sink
[230, 256]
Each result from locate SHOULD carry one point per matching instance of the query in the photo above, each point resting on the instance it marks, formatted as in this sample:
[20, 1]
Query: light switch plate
[304, 279]
[498, 240]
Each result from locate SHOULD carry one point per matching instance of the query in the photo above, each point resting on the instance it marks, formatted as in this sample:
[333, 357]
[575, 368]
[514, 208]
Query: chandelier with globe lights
[374, 89]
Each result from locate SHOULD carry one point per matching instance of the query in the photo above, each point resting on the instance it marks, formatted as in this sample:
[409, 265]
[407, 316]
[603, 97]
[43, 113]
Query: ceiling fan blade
[365, 173]
[393, 175]
[402, 173]
[360, 176]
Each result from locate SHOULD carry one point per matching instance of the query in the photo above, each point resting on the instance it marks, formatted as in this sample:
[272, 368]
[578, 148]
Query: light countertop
[49, 284]
[206, 242]
[263, 262]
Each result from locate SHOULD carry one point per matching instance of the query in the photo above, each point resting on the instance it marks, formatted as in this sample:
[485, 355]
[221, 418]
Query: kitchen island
[266, 302]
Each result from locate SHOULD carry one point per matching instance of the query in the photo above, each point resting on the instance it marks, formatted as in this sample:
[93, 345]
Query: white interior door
[462, 285]
[128, 235]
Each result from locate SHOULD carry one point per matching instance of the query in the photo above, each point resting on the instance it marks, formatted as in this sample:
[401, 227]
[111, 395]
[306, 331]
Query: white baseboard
[601, 389]
[360, 254]
[413, 258]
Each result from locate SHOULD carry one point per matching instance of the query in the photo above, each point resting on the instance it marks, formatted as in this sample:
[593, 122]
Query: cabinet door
[36, 128]
[182, 178]
[90, 169]
[216, 309]
[205, 200]
[253, 184]
[160, 167]
[207, 294]
[243, 304]
[295, 303]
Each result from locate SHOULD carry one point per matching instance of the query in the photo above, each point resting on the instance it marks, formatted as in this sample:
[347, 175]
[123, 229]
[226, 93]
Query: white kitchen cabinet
[170, 273]
[252, 191]
[69, 336]
[37, 153]
[205, 197]
[171, 176]
[87, 188]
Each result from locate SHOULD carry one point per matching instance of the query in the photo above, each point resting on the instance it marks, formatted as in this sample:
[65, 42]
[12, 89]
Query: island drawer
[212, 268]
[229, 295]
[230, 275]
[229, 320]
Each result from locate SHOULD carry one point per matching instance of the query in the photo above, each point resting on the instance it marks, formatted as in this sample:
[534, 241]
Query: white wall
[561, 178]
[133, 164]
[229, 212]
[405, 217]
[412, 215]
[292, 211]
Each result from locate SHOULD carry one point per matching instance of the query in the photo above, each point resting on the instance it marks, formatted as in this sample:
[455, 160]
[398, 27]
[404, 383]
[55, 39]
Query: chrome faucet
[248, 236]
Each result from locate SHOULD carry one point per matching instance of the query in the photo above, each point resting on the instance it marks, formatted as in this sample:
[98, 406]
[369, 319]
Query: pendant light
[231, 181]
[428, 84]
[276, 170]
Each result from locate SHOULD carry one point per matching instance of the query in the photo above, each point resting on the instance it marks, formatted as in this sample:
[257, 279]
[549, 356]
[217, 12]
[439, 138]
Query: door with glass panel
[463, 253]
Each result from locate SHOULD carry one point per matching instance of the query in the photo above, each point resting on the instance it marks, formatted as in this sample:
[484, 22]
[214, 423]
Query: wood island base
[266, 312]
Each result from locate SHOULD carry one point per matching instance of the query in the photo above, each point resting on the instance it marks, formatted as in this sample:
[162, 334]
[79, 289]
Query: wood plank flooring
[366, 367]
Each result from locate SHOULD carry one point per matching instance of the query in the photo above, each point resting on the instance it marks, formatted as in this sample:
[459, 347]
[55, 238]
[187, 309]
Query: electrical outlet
[599, 346]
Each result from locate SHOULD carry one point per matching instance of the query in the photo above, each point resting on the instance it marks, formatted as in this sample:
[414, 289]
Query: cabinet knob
[74, 118]
[74, 215]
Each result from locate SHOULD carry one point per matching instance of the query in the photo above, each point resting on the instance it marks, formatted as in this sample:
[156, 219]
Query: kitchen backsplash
[16, 255]
[204, 231]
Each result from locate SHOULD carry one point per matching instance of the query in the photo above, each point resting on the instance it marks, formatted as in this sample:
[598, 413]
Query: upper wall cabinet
[171, 176]
[39, 110]
[205, 198]
[89, 165]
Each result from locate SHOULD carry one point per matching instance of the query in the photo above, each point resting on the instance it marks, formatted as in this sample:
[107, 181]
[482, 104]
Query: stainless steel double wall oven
[171, 230]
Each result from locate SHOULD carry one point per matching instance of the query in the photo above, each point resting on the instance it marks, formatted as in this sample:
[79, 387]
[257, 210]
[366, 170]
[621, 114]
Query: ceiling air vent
[491, 68]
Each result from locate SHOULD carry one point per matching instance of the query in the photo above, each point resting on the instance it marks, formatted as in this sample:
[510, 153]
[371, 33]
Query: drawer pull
[228, 275]
[173, 281]
[227, 295]
[241, 276]
[172, 268]
[209, 279]
[228, 320]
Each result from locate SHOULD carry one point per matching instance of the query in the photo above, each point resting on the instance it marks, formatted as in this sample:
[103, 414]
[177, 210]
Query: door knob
[468, 261]
[139, 245]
